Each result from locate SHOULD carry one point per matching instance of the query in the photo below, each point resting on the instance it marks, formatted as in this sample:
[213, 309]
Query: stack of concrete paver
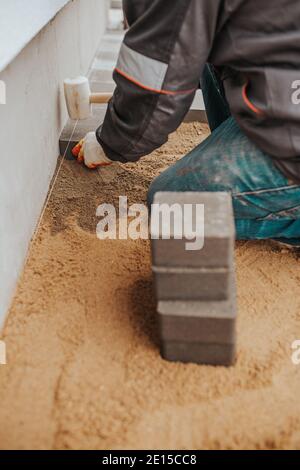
[196, 290]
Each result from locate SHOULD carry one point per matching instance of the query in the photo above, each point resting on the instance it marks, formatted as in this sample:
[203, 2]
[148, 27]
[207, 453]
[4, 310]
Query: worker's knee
[174, 179]
[185, 178]
[166, 181]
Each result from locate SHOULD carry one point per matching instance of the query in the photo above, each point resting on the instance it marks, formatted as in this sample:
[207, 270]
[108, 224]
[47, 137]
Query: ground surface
[84, 370]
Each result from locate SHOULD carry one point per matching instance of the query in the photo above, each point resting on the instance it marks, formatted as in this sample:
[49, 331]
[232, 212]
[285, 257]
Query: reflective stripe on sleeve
[145, 72]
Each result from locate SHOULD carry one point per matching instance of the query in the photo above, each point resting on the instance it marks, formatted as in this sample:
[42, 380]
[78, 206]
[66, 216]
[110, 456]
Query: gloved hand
[89, 151]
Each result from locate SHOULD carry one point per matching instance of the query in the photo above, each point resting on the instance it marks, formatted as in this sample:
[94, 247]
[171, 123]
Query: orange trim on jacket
[250, 105]
[161, 92]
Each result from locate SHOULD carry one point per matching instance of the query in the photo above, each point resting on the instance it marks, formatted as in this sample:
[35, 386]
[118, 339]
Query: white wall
[21, 22]
[31, 122]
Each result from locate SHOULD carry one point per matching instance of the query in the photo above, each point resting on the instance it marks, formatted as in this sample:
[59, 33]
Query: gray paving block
[102, 87]
[116, 4]
[192, 284]
[204, 322]
[71, 135]
[101, 75]
[102, 64]
[108, 54]
[219, 232]
[199, 353]
[196, 115]
[101, 80]
[111, 41]
[112, 37]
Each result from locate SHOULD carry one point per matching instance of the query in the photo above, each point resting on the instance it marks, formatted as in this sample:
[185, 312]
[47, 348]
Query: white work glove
[89, 151]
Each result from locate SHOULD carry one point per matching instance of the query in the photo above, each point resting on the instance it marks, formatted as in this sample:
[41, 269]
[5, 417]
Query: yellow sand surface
[84, 369]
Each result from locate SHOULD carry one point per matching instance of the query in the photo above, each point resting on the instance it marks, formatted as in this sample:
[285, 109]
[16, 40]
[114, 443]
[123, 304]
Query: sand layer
[84, 370]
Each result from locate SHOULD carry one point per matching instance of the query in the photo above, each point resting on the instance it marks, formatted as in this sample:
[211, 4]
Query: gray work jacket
[255, 44]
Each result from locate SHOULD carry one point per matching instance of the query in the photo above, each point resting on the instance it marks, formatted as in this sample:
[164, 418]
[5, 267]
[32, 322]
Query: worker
[246, 54]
